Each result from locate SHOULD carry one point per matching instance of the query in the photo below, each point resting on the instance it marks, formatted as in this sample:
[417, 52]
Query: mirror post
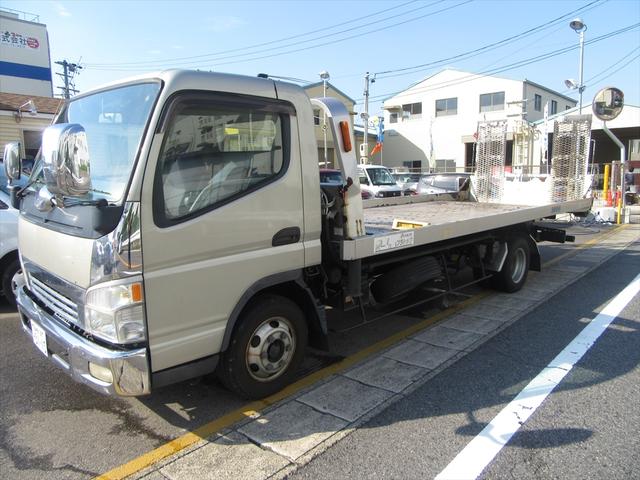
[607, 105]
[14, 198]
[623, 160]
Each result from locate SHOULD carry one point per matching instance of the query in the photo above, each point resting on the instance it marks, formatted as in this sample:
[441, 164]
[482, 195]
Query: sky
[398, 42]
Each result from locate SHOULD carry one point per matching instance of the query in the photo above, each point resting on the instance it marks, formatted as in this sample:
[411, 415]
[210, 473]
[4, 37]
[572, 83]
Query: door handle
[286, 236]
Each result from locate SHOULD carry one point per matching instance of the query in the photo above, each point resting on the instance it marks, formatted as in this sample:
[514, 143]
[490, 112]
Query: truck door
[221, 210]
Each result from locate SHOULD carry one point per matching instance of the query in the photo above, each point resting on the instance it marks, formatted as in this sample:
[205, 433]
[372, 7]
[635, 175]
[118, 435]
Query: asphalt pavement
[589, 427]
[53, 426]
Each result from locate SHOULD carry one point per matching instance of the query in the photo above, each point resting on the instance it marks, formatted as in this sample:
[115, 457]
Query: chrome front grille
[386, 194]
[62, 307]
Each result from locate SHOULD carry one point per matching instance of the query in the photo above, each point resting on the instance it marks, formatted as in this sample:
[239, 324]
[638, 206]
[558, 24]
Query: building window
[32, 141]
[554, 107]
[490, 102]
[537, 102]
[413, 165]
[412, 110]
[567, 107]
[316, 117]
[393, 118]
[446, 106]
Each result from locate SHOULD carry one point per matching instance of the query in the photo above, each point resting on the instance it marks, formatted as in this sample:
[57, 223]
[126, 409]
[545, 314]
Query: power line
[491, 46]
[511, 66]
[375, 30]
[190, 59]
[549, 24]
[606, 70]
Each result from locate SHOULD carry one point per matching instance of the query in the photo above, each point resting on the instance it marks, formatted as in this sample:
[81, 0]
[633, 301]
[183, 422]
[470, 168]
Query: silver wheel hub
[270, 349]
[14, 282]
[519, 265]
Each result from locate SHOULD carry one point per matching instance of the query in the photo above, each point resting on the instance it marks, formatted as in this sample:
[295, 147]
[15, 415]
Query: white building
[431, 125]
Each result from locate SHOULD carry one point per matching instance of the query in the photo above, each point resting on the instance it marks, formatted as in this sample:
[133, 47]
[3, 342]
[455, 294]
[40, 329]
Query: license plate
[39, 338]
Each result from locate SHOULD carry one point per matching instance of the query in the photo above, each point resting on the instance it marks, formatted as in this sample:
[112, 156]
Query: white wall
[429, 138]
[530, 91]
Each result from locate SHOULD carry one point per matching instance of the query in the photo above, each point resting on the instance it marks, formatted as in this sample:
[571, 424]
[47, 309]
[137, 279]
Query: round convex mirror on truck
[608, 103]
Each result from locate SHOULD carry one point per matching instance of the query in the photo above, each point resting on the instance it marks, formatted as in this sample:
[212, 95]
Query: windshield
[380, 176]
[449, 183]
[114, 121]
[331, 177]
[406, 177]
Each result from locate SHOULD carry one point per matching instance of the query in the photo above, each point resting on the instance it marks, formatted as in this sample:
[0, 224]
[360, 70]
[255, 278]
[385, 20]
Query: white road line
[475, 457]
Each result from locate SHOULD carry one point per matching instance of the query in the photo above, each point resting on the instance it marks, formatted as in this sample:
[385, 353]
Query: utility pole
[364, 148]
[68, 72]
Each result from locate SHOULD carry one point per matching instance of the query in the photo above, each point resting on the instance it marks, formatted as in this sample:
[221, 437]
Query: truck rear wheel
[266, 348]
[514, 272]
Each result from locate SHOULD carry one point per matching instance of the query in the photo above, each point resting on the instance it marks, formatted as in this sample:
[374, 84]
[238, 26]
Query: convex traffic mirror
[608, 103]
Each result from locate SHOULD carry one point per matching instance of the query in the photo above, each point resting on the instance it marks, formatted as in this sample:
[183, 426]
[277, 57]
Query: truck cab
[163, 209]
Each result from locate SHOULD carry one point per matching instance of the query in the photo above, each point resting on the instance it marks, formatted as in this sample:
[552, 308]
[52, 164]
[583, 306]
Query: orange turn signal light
[136, 292]
[346, 136]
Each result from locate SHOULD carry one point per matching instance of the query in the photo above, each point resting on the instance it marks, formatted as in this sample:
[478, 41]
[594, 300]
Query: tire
[266, 348]
[514, 272]
[8, 281]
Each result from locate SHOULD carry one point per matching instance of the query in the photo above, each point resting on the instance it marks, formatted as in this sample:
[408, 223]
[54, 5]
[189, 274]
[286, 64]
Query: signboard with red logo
[25, 64]
[17, 40]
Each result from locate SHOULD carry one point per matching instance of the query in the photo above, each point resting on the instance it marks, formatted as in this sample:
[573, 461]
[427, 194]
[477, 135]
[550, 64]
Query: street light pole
[364, 152]
[324, 75]
[580, 27]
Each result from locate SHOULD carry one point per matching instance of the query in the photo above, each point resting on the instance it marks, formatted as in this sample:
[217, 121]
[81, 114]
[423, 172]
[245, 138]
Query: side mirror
[65, 155]
[364, 181]
[12, 161]
[608, 103]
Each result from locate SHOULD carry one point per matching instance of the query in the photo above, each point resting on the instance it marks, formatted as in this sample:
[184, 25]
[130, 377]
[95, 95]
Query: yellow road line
[252, 409]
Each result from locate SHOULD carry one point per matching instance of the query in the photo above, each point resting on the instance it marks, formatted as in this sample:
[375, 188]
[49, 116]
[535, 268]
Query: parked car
[378, 181]
[442, 183]
[332, 178]
[408, 182]
[9, 260]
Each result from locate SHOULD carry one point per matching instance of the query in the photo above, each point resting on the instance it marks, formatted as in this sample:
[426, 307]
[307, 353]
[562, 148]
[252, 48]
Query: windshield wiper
[71, 202]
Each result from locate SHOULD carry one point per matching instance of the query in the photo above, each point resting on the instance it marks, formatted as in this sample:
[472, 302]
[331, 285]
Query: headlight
[379, 195]
[115, 311]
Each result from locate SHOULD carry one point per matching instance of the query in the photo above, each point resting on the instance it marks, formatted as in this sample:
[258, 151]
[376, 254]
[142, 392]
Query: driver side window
[215, 152]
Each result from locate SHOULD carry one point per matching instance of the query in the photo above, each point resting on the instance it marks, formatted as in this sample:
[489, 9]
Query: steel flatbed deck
[445, 220]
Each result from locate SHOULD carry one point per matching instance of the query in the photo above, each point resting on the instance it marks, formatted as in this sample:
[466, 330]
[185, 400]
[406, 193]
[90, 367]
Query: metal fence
[490, 160]
[569, 158]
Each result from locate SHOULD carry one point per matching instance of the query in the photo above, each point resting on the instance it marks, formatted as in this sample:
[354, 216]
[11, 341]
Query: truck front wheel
[516, 266]
[266, 348]
[8, 278]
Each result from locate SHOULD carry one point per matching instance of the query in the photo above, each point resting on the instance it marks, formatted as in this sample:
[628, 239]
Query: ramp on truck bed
[444, 220]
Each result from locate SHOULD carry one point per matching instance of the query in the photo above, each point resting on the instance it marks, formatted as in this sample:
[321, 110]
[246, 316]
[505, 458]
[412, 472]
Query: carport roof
[12, 101]
[629, 118]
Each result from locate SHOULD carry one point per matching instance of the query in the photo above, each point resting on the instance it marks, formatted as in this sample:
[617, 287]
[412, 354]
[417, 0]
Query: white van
[378, 180]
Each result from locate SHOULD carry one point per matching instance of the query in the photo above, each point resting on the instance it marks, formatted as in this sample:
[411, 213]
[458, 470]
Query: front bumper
[73, 353]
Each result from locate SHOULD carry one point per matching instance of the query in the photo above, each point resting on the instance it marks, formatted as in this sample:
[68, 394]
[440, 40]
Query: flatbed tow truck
[174, 225]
